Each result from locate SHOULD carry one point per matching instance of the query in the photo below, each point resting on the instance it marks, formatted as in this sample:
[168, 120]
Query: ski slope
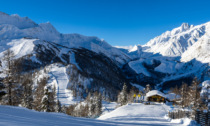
[137, 113]
[58, 75]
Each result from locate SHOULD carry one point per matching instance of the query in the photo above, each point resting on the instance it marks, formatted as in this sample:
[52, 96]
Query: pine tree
[64, 109]
[45, 101]
[12, 87]
[52, 98]
[58, 106]
[2, 92]
[48, 100]
[39, 93]
[92, 107]
[122, 97]
[98, 108]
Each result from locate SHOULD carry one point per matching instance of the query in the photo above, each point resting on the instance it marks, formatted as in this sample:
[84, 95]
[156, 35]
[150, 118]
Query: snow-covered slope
[141, 114]
[17, 116]
[180, 53]
[128, 115]
[177, 41]
[59, 77]
[199, 51]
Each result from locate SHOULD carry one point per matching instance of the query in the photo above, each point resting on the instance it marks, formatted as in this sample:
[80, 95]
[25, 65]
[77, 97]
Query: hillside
[13, 116]
[78, 63]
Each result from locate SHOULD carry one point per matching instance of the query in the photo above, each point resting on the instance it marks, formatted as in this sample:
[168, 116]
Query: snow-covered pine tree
[39, 93]
[122, 97]
[92, 107]
[98, 108]
[52, 98]
[58, 106]
[45, 101]
[64, 109]
[48, 100]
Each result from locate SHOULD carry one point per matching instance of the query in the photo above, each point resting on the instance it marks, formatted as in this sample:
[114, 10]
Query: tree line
[189, 96]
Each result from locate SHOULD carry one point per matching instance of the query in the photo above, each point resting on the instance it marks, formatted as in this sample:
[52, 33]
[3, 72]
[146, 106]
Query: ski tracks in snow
[59, 76]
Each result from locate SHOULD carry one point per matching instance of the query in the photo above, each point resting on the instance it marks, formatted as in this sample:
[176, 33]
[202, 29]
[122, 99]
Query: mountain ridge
[177, 55]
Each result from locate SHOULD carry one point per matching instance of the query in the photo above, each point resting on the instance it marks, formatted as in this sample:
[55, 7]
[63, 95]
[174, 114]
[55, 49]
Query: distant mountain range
[174, 57]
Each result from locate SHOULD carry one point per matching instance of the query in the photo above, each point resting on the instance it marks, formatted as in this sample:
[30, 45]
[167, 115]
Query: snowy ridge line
[17, 28]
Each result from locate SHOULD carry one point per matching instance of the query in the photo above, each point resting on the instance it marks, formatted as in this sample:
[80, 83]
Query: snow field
[18, 116]
[137, 113]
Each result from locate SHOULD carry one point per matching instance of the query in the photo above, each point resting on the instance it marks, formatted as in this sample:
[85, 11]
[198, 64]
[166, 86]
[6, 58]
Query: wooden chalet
[155, 96]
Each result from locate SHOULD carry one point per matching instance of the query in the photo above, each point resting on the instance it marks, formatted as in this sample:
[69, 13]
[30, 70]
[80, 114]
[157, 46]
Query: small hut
[155, 96]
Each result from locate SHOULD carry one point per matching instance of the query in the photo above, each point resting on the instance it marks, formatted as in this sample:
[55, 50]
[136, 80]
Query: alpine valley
[78, 64]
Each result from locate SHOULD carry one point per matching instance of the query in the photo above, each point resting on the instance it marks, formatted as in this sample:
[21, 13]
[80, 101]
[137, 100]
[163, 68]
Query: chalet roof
[155, 92]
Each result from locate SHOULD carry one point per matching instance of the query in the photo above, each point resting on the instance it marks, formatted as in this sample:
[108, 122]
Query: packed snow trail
[137, 113]
[58, 73]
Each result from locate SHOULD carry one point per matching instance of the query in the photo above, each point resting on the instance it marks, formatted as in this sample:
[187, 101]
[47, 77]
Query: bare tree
[176, 91]
[184, 95]
[194, 94]
[27, 84]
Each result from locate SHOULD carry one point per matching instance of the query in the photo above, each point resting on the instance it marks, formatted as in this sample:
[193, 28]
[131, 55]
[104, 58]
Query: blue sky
[119, 22]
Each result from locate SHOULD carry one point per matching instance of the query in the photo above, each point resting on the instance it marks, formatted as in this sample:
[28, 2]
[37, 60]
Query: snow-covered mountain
[15, 27]
[177, 41]
[174, 56]
[73, 59]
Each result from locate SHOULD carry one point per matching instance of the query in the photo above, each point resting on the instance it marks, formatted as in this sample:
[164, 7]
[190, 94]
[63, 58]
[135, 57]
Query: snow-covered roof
[155, 92]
